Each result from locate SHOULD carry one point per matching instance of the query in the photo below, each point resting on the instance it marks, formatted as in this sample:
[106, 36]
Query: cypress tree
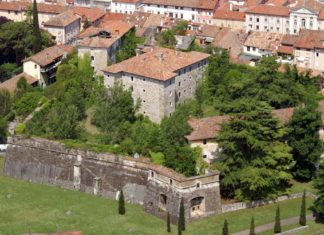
[225, 228]
[302, 217]
[37, 42]
[168, 223]
[252, 227]
[181, 220]
[277, 227]
[121, 203]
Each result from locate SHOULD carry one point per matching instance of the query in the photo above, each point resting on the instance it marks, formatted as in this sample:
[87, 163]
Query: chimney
[231, 6]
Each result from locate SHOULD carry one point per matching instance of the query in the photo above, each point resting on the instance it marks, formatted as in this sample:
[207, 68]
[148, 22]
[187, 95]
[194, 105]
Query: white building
[267, 18]
[260, 44]
[64, 27]
[125, 6]
[200, 11]
[42, 66]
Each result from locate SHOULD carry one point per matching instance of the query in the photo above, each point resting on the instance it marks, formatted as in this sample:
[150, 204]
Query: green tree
[225, 228]
[129, 45]
[304, 140]
[5, 101]
[167, 39]
[115, 112]
[121, 203]
[181, 219]
[37, 42]
[3, 130]
[255, 162]
[277, 226]
[302, 217]
[319, 185]
[252, 227]
[180, 28]
[168, 223]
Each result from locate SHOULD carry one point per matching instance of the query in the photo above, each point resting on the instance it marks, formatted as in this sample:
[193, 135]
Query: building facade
[160, 78]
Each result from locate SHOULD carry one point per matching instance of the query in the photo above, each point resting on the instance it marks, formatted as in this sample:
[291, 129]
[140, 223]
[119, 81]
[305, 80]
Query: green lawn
[299, 187]
[42, 208]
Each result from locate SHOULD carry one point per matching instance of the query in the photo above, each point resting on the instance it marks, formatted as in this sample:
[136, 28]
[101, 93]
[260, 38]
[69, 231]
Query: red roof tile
[229, 15]
[64, 19]
[91, 14]
[11, 84]
[269, 10]
[289, 50]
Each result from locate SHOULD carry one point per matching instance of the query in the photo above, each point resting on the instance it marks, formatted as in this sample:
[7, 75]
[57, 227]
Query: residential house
[11, 84]
[160, 78]
[206, 33]
[309, 50]
[203, 135]
[230, 19]
[64, 27]
[200, 11]
[286, 49]
[92, 16]
[231, 40]
[205, 130]
[260, 44]
[267, 18]
[43, 65]
[125, 6]
[102, 43]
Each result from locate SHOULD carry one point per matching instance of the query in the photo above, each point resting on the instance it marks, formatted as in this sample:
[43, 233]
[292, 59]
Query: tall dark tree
[37, 42]
[302, 217]
[277, 226]
[252, 227]
[319, 185]
[168, 223]
[181, 219]
[255, 161]
[121, 203]
[305, 142]
[225, 228]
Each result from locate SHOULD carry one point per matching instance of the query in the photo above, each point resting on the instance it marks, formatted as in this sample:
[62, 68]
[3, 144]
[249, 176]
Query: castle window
[204, 156]
[171, 181]
[179, 83]
[132, 78]
[198, 185]
[163, 202]
[152, 174]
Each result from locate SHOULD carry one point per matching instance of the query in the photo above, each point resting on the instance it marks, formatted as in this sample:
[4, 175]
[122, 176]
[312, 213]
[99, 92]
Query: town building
[200, 11]
[91, 16]
[161, 78]
[309, 50]
[102, 43]
[64, 27]
[125, 6]
[230, 19]
[43, 65]
[260, 44]
[205, 130]
[267, 18]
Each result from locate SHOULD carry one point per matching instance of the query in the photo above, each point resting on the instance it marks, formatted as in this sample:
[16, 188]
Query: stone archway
[197, 206]
[163, 202]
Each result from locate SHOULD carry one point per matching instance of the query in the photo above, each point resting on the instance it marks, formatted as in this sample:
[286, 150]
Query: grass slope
[40, 208]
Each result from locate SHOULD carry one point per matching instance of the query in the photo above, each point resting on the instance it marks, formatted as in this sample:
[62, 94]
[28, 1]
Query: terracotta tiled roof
[264, 40]
[229, 15]
[269, 10]
[23, 6]
[11, 84]
[91, 14]
[62, 20]
[277, 2]
[112, 16]
[289, 50]
[232, 40]
[205, 128]
[289, 40]
[160, 63]
[49, 55]
[200, 4]
[321, 15]
[128, 1]
[97, 42]
[209, 127]
[310, 39]
[208, 31]
[312, 5]
[116, 27]
[284, 114]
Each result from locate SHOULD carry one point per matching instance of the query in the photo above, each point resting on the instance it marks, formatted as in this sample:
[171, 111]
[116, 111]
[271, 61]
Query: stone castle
[157, 188]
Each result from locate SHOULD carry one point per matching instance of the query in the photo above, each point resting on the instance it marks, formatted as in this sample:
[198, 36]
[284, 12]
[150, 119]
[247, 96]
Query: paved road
[270, 226]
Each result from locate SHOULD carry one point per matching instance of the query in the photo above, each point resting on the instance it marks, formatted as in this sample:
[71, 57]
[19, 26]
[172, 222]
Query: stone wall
[157, 188]
[258, 203]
